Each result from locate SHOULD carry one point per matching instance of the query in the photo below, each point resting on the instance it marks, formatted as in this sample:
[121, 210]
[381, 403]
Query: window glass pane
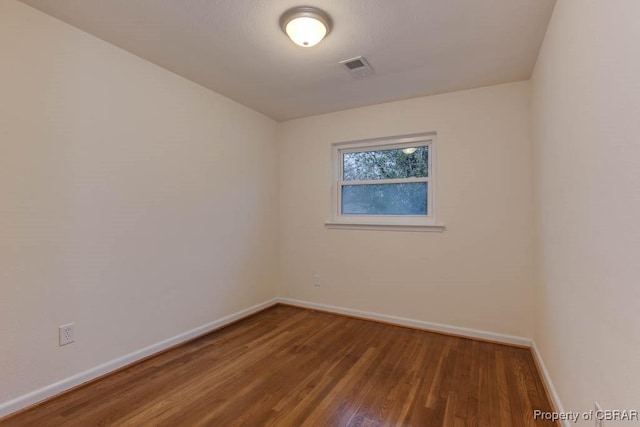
[385, 199]
[386, 164]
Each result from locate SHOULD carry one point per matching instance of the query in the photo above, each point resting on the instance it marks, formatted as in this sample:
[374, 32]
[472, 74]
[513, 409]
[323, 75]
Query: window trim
[427, 222]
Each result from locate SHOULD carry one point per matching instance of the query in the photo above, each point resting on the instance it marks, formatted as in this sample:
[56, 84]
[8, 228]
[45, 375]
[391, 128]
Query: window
[385, 183]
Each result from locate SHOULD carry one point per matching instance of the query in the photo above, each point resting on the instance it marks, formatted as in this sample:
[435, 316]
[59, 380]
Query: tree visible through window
[390, 179]
[401, 198]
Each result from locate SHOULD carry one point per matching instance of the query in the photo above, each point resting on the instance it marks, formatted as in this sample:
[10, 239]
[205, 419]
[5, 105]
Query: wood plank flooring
[292, 367]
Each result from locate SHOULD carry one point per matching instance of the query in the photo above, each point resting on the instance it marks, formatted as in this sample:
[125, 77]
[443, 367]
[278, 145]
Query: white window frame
[427, 222]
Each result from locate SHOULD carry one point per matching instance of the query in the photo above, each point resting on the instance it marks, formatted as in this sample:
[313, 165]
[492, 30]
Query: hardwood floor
[290, 367]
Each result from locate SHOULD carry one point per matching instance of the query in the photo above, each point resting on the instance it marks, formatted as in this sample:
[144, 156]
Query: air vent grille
[352, 65]
[358, 67]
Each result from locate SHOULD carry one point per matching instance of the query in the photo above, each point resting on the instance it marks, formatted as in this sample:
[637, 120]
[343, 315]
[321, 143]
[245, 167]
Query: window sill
[345, 225]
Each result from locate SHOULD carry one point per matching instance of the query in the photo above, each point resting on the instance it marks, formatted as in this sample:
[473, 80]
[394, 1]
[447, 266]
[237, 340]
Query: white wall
[132, 202]
[586, 127]
[478, 273]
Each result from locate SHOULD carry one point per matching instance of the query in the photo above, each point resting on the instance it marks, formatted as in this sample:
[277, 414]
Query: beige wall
[586, 127]
[132, 202]
[477, 274]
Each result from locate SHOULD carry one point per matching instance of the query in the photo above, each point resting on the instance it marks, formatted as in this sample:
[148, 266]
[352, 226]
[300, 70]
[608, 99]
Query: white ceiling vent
[358, 67]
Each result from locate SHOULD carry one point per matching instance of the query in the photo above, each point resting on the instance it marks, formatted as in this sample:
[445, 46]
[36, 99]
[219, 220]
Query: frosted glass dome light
[305, 26]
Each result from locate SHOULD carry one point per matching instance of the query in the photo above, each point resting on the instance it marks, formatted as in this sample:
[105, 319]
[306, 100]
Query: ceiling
[236, 48]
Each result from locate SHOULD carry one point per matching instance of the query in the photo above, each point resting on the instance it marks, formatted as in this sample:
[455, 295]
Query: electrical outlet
[598, 414]
[316, 280]
[66, 334]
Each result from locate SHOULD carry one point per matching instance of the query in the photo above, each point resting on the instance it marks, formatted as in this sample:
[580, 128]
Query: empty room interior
[323, 213]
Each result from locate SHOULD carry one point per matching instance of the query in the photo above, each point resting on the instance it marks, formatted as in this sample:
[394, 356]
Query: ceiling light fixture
[409, 150]
[306, 26]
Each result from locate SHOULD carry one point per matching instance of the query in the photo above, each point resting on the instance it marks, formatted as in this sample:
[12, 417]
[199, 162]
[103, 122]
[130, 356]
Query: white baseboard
[417, 324]
[547, 379]
[51, 390]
